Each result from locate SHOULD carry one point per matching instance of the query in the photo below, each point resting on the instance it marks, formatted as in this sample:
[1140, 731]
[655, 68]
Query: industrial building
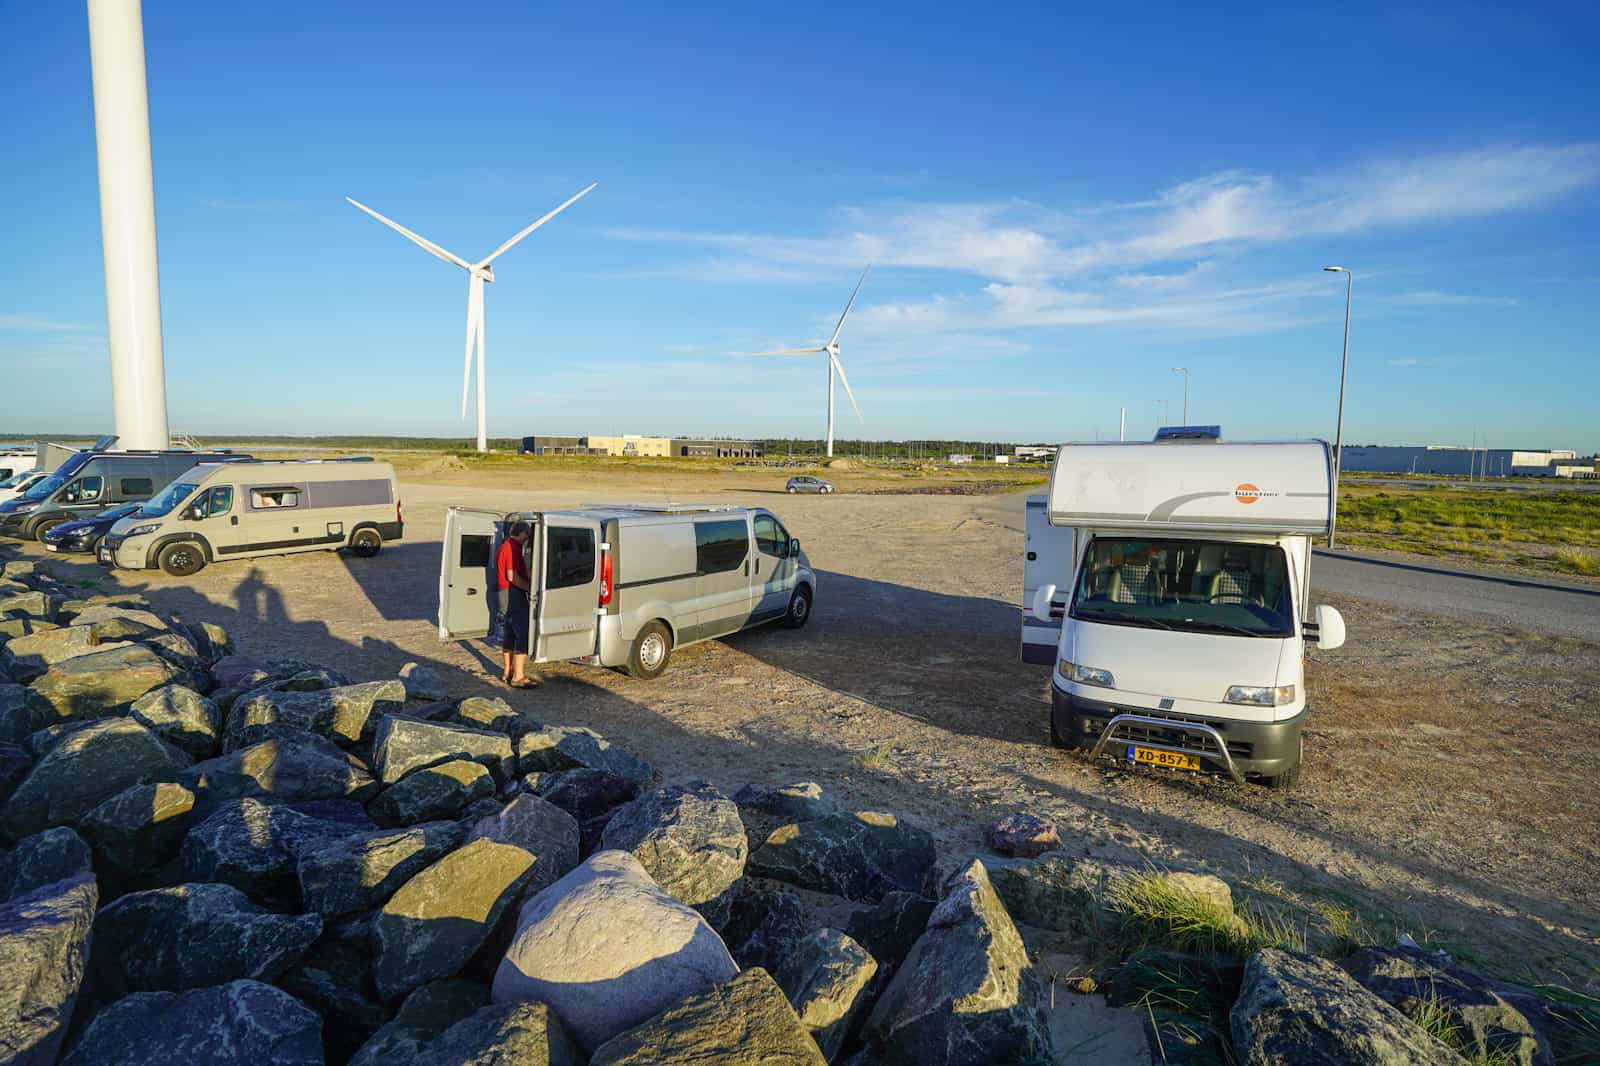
[1453, 461]
[633, 444]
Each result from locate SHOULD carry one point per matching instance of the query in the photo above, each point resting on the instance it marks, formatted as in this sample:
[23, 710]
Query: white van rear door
[1049, 555]
[567, 561]
[466, 572]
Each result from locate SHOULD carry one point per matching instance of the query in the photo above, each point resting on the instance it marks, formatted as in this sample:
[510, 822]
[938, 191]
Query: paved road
[1544, 605]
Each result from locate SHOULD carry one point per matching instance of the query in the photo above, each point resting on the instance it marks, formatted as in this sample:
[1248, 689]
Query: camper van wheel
[651, 650]
[182, 559]
[366, 543]
[44, 527]
[799, 608]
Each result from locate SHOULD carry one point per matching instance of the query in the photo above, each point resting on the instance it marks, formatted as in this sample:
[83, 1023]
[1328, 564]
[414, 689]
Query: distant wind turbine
[832, 348]
[477, 274]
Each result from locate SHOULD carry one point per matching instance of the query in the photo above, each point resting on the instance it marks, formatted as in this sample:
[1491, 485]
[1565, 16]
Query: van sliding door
[466, 573]
[567, 575]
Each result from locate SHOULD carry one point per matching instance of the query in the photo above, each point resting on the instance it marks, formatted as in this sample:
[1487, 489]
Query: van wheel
[799, 609]
[652, 649]
[44, 527]
[182, 558]
[366, 543]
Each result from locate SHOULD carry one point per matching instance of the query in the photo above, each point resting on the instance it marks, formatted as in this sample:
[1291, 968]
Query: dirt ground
[1448, 787]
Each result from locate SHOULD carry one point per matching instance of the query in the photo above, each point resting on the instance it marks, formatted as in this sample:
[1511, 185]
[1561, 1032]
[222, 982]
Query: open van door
[567, 575]
[466, 573]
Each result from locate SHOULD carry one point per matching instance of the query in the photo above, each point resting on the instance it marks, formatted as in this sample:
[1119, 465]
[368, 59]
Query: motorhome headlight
[1087, 675]
[140, 531]
[21, 508]
[1260, 695]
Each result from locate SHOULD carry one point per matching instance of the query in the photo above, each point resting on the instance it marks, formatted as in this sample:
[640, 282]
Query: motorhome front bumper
[1266, 749]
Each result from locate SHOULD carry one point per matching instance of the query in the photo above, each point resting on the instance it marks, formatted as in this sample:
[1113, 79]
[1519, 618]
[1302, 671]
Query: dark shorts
[514, 623]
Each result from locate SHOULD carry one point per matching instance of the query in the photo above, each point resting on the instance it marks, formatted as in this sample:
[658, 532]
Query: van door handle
[758, 565]
[472, 592]
[234, 520]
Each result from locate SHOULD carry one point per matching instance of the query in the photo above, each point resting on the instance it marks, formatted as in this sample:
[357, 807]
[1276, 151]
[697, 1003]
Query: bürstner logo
[1248, 493]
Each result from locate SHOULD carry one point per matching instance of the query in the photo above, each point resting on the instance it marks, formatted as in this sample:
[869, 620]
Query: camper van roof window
[1189, 433]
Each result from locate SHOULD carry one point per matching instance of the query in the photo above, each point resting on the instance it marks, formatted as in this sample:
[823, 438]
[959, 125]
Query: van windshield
[43, 490]
[16, 479]
[1191, 585]
[169, 500]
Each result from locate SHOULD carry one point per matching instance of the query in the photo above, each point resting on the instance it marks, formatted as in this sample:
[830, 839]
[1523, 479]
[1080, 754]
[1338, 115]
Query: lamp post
[1344, 365]
[1185, 371]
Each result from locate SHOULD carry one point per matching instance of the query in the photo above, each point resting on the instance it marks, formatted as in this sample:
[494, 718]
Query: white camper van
[245, 508]
[622, 585]
[1172, 581]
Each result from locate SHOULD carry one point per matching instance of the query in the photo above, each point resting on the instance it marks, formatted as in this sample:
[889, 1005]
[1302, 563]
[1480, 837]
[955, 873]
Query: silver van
[240, 510]
[622, 585]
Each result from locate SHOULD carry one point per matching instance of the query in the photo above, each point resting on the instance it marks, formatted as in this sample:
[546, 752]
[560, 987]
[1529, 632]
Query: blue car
[84, 534]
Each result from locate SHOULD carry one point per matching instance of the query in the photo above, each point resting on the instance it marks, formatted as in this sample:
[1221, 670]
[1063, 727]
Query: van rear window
[720, 546]
[474, 553]
[569, 557]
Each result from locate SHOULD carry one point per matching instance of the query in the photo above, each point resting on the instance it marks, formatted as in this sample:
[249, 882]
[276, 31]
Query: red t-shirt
[510, 562]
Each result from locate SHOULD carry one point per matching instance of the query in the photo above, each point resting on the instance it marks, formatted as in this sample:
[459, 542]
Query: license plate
[52, 548]
[1170, 759]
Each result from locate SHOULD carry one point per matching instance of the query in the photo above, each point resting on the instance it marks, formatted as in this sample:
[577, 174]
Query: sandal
[523, 683]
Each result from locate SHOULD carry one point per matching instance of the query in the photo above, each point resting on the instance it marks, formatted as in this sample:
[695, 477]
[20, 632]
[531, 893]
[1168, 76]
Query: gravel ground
[1447, 790]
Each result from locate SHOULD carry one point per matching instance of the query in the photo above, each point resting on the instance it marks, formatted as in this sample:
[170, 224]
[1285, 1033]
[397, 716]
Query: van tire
[182, 558]
[366, 542]
[46, 526]
[799, 611]
[651, 651]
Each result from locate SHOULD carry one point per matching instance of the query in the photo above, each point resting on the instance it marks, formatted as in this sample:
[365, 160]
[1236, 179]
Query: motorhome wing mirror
[1041, 603]
[794, 548]
[192, 512]
[1330, 628]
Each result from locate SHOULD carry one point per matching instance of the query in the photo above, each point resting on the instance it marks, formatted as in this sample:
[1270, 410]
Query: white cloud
[1435, 298]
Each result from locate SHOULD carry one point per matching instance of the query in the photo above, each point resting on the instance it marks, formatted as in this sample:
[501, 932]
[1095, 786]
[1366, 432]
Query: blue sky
[1060, 206]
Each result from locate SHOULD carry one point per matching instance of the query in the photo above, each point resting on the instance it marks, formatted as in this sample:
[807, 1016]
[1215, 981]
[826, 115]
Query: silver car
[806, 483]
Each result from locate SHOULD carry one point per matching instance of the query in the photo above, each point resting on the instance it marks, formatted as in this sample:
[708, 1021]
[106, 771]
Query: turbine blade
[792, 351]
[846, 383]
[448, 257]
[506, 246]
[849, 305]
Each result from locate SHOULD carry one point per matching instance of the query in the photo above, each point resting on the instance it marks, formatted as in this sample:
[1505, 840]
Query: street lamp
[1344, 365]
[1185, 371]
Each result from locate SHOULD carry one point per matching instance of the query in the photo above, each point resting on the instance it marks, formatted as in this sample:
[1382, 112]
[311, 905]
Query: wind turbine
[832, 348]
[477, 274]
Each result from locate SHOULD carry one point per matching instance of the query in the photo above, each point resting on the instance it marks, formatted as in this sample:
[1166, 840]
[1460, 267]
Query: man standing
[511, 569]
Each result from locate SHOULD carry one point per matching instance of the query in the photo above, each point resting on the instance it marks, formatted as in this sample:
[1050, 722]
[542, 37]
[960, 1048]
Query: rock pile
[207, 857]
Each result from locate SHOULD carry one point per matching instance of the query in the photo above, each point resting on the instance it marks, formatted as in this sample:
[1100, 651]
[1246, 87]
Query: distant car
[84, 535]
[806, 483]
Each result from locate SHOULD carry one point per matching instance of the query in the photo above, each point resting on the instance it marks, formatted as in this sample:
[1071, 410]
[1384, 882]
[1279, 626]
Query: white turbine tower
[477, 274]
[832, 348]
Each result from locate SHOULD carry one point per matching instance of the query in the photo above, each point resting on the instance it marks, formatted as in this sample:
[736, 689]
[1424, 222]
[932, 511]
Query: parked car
[85, 534]
[807, 483]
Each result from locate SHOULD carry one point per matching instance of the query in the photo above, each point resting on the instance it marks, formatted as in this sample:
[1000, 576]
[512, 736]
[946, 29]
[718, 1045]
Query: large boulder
[18, 625]
[116, 621]
[527, 1034]
[763, 808]
[689, 839]
[25, 658]
[405, 744]
[765, 927]
[359, 872]
[425, 1015]
[33, 604]
[889, 928]
[826, 979]
[746, 1020]
[484, 712]
[590, 796]
[536, 826]
[607, 948]
[432, 792]
[1023, 835]
[288, 769]
[442, 915]
[54, 855]
[1298, 1010]
[87, 768]
[1054, 890]
[967, 994]
[16, 716]
[422, 682]
[346, 714]
[44, 948]
[177, 649]
[210, 639]
[334, 978]
[858, 856]
[15, 762]
[103, 682]
[139, 829]
[182, 717]
[555, 747]
[1488, 1025]
[242, 1023]
[191, 936]
[256, 847]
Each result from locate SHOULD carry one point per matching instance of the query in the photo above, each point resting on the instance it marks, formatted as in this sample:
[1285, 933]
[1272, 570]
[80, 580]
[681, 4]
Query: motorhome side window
[136, 488]
[83, 490]
[267, 498]
[720, 546]
[569, 557]
[1192, 585]
[771, 538]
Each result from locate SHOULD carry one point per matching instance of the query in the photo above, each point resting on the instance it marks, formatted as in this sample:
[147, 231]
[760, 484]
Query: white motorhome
[1171, 583]
[623, 585]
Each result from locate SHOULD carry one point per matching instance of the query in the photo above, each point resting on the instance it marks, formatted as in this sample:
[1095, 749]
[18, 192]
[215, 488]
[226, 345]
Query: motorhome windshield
[16, 479]
[62, 474]
[168, 500]
[1195, 586]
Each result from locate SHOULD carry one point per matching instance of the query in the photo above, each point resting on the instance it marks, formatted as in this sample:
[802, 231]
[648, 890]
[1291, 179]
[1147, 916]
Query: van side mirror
[794, 548]
[1041, 603]
[192, 512]
[1330, 628]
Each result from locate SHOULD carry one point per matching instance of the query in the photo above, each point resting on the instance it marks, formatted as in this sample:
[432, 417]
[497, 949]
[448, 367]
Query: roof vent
[1189, 433]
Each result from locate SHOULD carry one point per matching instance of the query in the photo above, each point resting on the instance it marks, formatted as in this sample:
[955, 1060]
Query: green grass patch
[877, 757]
